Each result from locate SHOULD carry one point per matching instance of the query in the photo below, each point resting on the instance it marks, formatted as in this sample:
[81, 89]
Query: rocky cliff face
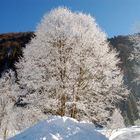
[11, 49]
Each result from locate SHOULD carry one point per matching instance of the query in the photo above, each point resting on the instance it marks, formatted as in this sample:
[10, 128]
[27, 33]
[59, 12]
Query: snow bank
[130, 133]
[60, 128]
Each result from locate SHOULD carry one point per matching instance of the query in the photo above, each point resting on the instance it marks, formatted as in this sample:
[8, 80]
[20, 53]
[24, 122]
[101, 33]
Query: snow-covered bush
[69, 69]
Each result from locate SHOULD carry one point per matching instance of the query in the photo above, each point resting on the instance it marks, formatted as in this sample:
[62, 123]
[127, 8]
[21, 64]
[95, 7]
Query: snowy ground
[64, 128]
[131, 133]
[58, 128]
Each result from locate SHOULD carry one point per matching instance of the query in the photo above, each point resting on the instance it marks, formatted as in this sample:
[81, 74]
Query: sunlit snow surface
[60, 128]
[64, 128]
[130, 133]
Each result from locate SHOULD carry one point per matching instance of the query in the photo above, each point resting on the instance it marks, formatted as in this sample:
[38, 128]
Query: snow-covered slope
[60, 128]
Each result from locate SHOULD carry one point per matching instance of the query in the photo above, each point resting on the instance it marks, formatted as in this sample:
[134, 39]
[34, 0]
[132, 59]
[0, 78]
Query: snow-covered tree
[69, 69]
[12, 118]
[117, 120]
[7, 101]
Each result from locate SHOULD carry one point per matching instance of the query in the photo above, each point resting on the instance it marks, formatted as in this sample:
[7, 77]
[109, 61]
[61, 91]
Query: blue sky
[115, 17]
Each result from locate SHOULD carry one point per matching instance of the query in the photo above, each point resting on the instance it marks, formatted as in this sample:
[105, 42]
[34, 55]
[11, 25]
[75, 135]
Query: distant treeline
[11, 45]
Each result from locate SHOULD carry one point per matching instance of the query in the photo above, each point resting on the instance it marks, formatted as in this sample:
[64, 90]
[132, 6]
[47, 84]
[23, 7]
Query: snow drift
[60, 128]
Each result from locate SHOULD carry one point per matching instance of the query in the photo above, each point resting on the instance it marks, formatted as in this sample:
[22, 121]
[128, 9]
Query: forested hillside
[11, 45]
[126, 46]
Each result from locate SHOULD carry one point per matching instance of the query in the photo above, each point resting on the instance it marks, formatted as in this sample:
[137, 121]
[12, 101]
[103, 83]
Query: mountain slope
[125, 46]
